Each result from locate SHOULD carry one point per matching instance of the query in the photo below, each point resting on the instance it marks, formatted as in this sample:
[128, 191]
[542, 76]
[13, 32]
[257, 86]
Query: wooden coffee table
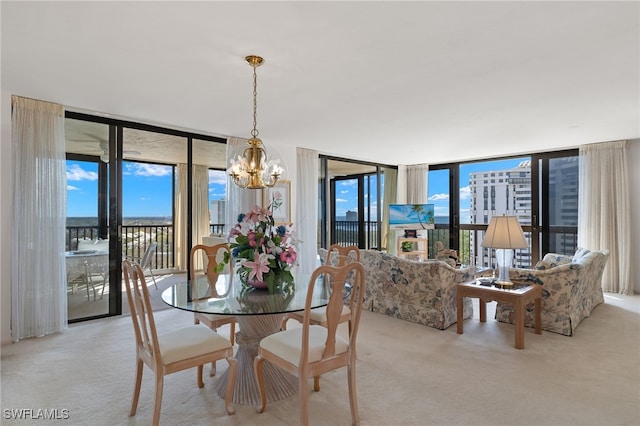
[518, 296]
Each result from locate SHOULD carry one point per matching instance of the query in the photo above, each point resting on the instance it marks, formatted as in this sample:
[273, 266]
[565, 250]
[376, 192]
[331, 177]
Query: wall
[5, 217]
[634, 177]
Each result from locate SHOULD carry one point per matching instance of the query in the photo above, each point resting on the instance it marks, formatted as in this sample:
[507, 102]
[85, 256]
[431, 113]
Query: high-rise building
[502, 192]
[216, 212]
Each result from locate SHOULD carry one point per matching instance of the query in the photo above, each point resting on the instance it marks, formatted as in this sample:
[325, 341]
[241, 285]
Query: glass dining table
[258, 314]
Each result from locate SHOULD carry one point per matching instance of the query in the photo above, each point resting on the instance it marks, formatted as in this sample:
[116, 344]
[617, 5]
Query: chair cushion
[320, 314]
[288, 344]
[189, 342]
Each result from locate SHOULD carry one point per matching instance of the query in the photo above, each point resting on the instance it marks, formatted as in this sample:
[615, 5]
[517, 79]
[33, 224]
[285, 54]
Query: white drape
[38, 284]
[306, 226]
[604, 213]
[417, 183]
[180, 231]
[238, 200]
[199, 213]
[389, 196]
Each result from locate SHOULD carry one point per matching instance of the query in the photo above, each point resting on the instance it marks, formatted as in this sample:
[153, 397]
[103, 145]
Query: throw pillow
[556, 259]
[579, 253]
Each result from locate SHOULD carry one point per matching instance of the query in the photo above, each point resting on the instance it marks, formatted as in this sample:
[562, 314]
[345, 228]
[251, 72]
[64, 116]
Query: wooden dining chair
[312, 350]
[213, 255]
[337, 255]
[177, 350]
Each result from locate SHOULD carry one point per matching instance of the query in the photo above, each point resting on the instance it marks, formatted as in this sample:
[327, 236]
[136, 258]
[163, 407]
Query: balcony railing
[563, 240]
[346, 233]
[135, 240]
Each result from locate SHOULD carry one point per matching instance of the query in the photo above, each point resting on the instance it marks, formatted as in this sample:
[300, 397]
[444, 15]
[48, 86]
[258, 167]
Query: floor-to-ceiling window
[131, 185]
[540, 190]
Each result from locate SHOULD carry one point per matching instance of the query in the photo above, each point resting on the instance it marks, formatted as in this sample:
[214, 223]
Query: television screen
[411, 216]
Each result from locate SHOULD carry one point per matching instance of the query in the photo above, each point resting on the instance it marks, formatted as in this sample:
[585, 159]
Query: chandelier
[252, 169]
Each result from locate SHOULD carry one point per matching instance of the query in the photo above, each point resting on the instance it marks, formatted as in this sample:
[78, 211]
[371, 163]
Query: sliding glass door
[130, 187]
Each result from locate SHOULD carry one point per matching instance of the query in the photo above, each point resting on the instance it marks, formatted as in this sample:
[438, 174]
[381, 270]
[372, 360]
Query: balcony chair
[145, 260]
[177, 350]
[312, 350]
[213, 256]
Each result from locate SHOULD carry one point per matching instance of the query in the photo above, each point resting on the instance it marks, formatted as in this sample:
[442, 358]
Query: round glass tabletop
[230, 297]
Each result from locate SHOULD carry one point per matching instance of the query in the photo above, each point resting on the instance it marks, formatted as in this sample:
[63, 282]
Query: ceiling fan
[104, 150]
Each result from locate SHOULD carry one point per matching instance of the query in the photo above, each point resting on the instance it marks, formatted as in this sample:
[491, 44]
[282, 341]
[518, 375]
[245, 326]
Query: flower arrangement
[264, 253]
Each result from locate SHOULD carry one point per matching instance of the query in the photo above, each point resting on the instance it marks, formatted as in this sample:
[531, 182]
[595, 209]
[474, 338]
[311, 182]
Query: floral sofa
[571, 289]
[421, 292]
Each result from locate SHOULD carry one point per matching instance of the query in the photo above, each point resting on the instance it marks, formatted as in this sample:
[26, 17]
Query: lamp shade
[504, 232]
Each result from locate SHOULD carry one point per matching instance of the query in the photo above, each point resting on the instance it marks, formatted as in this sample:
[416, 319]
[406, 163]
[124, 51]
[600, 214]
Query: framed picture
[278, 200]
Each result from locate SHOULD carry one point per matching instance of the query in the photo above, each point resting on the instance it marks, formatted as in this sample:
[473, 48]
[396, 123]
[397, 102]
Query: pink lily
[259, 266]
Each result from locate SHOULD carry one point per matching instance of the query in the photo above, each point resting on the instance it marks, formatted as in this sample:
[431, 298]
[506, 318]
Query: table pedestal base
[278, 383]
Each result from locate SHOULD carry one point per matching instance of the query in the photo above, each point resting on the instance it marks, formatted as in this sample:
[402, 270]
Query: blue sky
[439, 185]
[147, 189]
[347, 190]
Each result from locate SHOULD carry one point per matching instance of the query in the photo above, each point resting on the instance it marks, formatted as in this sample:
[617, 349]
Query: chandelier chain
[254, 132]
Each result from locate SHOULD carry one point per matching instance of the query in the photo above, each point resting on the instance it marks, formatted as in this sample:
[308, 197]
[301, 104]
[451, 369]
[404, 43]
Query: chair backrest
[214, 255]
[144, 325]
[148, 253]
[343, 255]
[336, 277]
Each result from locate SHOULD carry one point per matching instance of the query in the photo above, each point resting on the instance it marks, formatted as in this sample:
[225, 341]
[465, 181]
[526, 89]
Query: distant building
[352, 216]
[216, 211]
[502, 192]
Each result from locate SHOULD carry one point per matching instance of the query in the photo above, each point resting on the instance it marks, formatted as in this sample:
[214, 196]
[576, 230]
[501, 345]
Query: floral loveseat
[421, 292]
[571, 289]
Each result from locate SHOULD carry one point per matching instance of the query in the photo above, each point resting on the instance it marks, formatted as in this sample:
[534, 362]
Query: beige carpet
[408, 374]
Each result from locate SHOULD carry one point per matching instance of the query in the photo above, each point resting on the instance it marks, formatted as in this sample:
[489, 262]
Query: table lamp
[504, 234]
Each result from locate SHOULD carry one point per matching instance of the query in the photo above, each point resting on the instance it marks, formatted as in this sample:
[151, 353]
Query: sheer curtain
[199, 213]
[389, 196]
[180, 232]
[307, 208]
[604, 213]
[417, 183]
[38, 270]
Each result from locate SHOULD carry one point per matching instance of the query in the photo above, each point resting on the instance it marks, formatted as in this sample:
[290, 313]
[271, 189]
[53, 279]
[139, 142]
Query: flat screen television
[411, 216]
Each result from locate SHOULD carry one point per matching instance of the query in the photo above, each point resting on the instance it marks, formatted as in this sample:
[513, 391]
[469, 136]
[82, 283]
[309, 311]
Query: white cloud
[217, 176]
[341, 200]
[465, 193]
[75, 172]
[349, 182]
[346, 191]
[72, 188]
[439, 197]
[142, 169]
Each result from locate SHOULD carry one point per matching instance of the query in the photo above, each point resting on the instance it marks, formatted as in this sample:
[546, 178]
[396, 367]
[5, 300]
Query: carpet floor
[407, 374]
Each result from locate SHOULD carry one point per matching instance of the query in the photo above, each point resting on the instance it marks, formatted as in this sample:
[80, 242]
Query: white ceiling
[395, 83]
